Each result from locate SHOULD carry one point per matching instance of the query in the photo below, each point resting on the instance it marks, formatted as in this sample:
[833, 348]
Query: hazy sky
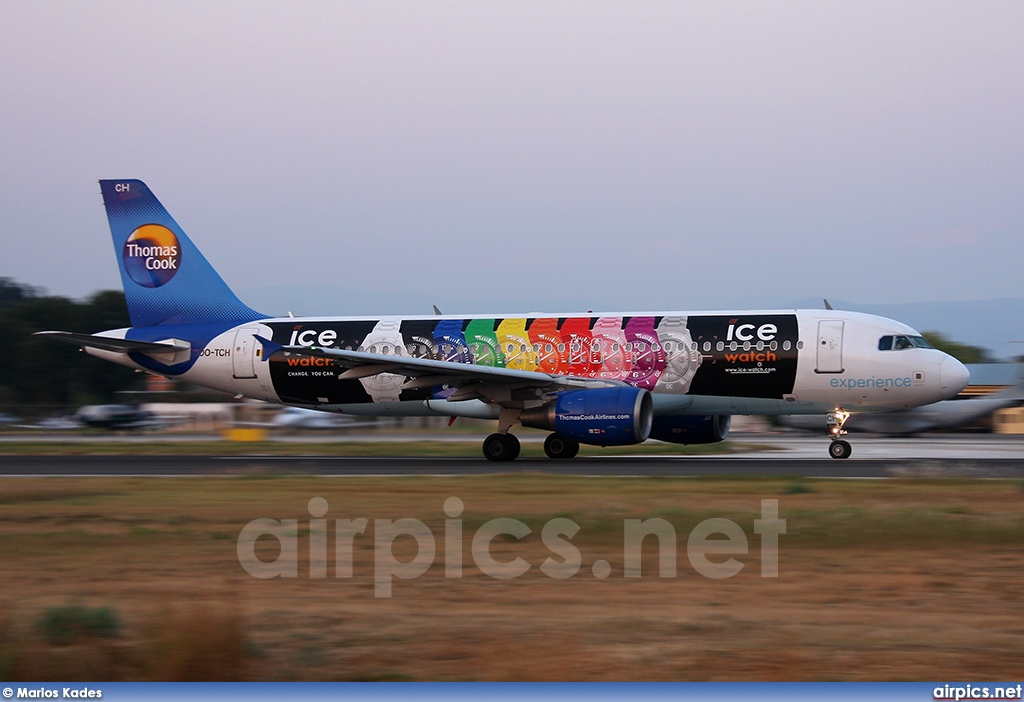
[609, 155]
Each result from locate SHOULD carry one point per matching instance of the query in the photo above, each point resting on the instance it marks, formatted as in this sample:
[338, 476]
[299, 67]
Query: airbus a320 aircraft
[602, 379]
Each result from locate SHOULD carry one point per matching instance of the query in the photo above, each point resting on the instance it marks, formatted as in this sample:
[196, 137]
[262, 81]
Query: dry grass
[892, 580]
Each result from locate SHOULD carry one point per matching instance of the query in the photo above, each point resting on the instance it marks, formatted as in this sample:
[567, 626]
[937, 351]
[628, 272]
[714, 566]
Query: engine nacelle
[602, 417]
[691, 428]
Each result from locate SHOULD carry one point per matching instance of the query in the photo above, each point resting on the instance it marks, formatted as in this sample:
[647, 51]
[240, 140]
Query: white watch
[681, 357]
[385, 339]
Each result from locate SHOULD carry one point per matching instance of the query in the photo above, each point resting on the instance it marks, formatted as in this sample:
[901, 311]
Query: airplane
[115, 417]
[611, 379]
[948, 414]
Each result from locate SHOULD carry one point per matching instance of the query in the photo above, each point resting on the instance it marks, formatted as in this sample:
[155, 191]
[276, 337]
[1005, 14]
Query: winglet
[828, 305]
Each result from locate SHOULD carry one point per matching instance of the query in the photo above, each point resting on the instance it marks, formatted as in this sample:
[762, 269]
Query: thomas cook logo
[152, 255]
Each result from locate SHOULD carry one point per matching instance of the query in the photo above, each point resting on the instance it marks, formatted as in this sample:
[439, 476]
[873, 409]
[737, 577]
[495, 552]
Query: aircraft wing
[488, 383]
[107, 343]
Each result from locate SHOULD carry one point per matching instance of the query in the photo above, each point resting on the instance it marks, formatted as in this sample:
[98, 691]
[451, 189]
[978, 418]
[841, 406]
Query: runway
[946, 456]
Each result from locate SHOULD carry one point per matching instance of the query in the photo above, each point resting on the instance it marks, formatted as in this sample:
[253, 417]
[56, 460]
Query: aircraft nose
[953, 376]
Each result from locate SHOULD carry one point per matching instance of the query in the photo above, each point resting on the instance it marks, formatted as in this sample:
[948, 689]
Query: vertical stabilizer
[166, 279]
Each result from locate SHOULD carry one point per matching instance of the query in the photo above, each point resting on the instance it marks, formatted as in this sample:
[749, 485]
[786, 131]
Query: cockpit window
[898, 343]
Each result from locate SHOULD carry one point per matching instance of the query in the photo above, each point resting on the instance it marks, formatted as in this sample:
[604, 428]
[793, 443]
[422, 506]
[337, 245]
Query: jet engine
[601, 417]
[691, 428]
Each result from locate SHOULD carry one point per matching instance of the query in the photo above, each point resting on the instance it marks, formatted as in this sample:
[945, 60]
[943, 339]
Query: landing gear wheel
[840, 449]
[559, 448]
[501, 447]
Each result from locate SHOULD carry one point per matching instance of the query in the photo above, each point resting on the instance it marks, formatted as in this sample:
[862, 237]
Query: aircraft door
[830, 346]
[243, 353]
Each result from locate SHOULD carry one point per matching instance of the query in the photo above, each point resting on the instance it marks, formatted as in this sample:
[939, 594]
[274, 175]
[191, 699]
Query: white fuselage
[740, 362]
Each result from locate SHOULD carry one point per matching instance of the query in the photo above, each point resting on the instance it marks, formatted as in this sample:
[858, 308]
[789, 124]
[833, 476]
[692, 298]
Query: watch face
[515, 344]
[518, 352]
[383, 382]
[421, 347]
[681, 361]
[548, 358]
[581, 356]
[483, 354]
[483, 343]
[552, 354]
[611, 350]
[453, 351]
[648, 360]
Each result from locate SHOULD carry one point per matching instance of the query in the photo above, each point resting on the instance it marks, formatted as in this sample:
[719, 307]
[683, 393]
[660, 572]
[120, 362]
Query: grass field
[114, 579]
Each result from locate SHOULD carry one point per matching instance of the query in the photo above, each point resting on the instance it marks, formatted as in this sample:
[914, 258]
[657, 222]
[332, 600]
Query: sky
[382, 157]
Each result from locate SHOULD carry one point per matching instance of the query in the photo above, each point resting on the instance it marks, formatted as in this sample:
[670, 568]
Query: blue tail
[166, 279]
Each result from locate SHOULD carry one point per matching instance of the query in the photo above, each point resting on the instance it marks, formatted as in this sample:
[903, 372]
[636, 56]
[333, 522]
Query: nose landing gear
[840, 448]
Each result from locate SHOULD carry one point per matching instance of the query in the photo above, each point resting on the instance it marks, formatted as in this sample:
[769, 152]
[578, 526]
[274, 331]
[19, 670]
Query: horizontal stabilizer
[107, 343]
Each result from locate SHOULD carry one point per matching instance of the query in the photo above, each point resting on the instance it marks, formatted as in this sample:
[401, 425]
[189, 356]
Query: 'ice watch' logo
[152, 255]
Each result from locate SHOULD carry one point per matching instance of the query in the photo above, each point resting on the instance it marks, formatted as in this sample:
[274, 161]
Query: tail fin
[166, 279]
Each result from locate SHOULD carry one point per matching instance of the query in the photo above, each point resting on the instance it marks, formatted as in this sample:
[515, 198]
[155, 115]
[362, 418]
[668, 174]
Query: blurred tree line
[35, 371]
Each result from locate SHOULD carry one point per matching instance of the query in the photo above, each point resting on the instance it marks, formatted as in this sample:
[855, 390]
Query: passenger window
[885, 343]
[707, 346]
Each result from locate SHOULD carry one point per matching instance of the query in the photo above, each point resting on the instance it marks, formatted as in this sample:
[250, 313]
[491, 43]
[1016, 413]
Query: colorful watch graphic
[385, 339]
[419, 339]
[681, 355]
[577, 337]
[451, 347]
[648, 355]
[516, 345]
[610, 342]
[552, 354]
[483, 343]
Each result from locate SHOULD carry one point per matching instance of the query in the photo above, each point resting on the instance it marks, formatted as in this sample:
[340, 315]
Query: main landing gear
[840, 448]
[501, 447]
[559, 448]
[505, 447]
